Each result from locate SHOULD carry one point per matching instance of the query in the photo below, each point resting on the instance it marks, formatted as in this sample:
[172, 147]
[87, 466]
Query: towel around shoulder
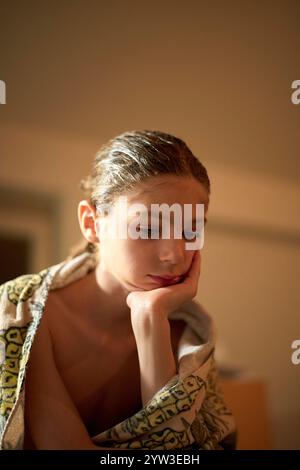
[188, 412]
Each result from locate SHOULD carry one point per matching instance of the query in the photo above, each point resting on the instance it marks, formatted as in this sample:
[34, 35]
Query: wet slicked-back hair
[131, 158]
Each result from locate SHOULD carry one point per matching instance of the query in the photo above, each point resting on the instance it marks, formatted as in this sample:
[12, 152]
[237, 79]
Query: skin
[133, 328]
[124, 265]
[134, 303]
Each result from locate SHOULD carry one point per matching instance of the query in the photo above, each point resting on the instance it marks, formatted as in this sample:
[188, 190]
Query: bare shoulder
[51, 417]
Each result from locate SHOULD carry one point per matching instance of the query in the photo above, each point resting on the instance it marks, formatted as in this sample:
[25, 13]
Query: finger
[192, 277]
[195, 265]
[128, 300]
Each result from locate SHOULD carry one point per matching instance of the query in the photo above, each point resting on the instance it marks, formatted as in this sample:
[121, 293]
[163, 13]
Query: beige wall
[217, 74]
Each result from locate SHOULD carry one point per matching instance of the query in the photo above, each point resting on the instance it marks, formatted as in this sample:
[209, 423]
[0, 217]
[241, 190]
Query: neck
[107, 292]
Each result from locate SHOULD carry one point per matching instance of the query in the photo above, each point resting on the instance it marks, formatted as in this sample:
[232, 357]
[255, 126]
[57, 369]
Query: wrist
[156, 359]
[148, 318]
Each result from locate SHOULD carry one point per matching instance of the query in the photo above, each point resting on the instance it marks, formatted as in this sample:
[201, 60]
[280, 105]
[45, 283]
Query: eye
[147, 231]
[191, 235]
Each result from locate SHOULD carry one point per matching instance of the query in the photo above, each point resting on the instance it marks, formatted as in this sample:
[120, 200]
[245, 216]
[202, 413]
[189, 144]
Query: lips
[165, 279]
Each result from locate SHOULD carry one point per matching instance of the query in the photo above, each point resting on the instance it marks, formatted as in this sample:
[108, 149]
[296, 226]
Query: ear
[87, 221]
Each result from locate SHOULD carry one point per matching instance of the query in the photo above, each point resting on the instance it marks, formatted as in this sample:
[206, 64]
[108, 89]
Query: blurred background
[216, 74]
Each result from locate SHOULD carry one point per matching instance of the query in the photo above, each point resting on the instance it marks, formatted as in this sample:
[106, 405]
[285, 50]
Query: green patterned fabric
[187, 413]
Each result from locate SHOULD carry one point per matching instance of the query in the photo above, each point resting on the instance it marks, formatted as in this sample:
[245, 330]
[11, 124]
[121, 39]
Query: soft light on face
[132, 261]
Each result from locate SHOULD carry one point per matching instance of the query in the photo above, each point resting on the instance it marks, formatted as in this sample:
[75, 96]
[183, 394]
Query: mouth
[166, 280]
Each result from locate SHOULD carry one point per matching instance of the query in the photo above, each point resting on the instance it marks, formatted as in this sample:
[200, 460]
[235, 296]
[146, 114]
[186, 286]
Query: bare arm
[149, 318]
[156, 358]
[51, 416]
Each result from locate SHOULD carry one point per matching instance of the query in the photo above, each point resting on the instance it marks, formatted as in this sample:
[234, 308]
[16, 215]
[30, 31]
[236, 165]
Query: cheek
[138, 257]
[123, 256]
[113, 254]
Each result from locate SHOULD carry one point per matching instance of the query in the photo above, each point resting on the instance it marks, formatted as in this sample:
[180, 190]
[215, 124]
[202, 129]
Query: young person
[108, 349]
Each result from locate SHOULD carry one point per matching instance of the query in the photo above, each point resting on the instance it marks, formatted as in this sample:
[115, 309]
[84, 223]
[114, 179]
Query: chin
[141, 286]
[130, 286]
[137, 288]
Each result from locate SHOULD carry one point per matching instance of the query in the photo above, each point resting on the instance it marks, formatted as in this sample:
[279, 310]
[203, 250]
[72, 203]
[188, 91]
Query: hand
[165, 300]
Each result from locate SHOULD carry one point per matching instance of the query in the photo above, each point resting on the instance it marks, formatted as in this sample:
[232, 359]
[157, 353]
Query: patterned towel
[187, 413]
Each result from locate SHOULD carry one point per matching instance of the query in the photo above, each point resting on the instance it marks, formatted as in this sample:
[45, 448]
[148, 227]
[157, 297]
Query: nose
[172, 251]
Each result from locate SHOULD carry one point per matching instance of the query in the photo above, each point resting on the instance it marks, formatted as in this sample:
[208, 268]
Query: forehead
[186, 193]
[169, 189]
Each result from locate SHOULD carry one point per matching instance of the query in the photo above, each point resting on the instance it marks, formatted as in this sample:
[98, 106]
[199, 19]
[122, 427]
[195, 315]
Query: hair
[131, 158]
